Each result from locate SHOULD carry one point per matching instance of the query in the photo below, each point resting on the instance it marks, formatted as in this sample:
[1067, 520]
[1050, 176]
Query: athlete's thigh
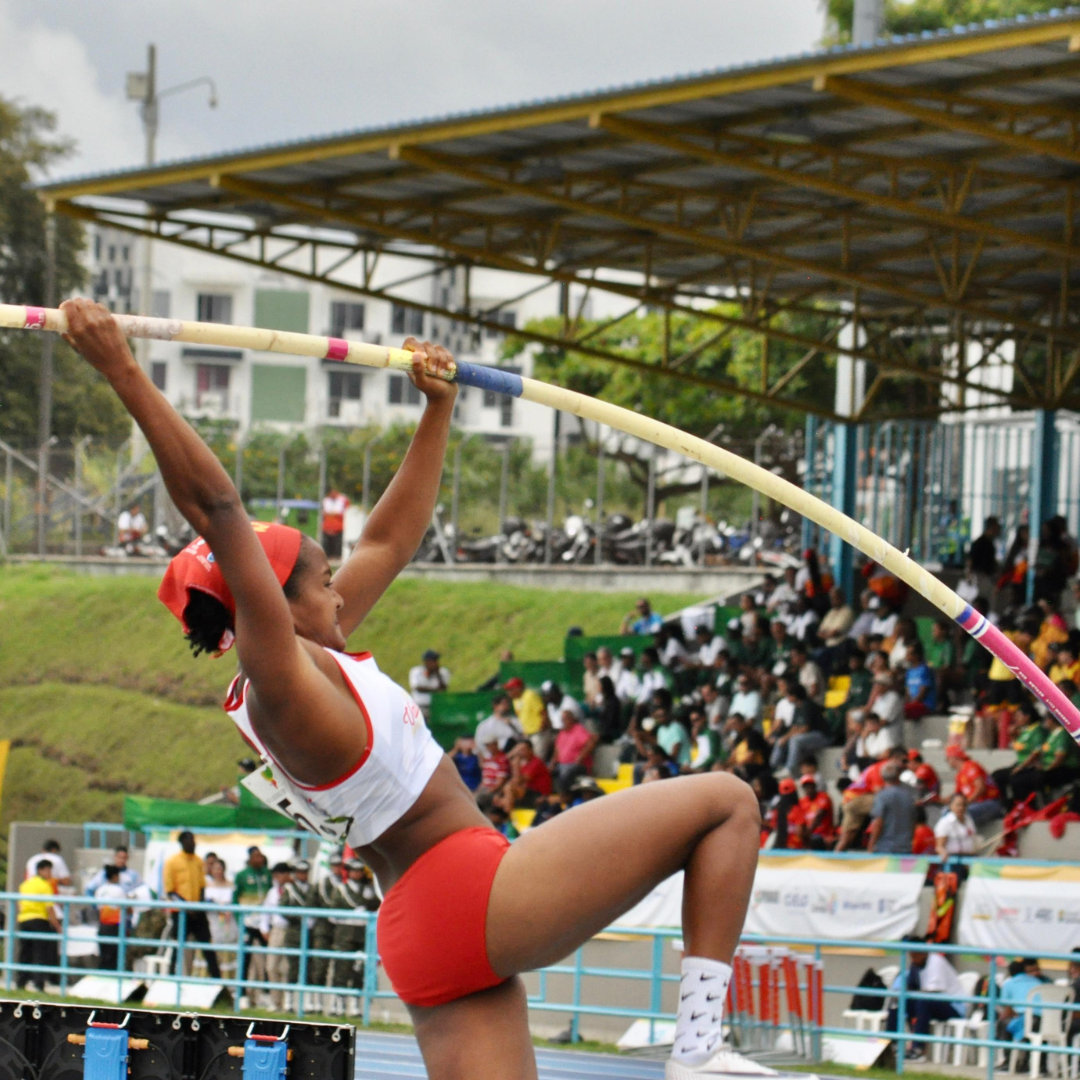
[563, 882]
[484, 1034]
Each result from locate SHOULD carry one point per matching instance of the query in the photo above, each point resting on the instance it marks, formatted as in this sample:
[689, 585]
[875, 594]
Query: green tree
[737, 357]
[915, 16]
[83, 404]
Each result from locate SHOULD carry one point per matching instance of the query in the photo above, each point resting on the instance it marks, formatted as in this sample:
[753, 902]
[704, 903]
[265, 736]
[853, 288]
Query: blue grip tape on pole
[489, 378]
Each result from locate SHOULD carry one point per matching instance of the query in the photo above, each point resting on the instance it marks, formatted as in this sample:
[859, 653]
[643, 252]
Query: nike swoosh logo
[713, 997]
[685, 996]
[696, 1016]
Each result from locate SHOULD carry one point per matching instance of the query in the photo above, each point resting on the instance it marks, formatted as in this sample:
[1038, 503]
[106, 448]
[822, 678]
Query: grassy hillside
[102, 696]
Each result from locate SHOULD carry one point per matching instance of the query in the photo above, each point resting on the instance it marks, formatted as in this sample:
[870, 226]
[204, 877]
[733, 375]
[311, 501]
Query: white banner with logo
[871, 899]
[1021, 909]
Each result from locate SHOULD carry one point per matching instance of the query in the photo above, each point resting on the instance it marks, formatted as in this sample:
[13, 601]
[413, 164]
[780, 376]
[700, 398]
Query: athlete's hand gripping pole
[642, 427]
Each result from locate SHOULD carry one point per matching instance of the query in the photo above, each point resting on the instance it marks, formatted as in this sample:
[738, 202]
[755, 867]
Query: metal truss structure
[923, 190]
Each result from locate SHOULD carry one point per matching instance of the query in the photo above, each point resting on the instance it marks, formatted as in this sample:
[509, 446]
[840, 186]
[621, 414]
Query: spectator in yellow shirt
[185, 879]
[1065, 666]
[529, 706]
[37, 916]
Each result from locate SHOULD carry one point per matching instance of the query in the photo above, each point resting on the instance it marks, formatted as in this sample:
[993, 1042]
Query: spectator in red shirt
[574, 745]
[529, 776]
[817, 810]
[788, 820]
[923, 841]
[975, 784]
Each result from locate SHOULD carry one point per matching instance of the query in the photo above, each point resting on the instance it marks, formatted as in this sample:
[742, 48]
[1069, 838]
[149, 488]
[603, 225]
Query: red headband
[195, 568]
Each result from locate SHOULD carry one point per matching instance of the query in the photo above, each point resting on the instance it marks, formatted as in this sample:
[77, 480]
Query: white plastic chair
[973, 1026]
[874, 1019]
[1052, 1029]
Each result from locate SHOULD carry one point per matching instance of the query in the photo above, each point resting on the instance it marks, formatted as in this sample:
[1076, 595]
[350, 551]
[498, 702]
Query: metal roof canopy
[926, 186]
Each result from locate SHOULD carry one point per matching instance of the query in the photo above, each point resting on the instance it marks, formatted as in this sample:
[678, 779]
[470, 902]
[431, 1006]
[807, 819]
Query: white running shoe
[725, 1062]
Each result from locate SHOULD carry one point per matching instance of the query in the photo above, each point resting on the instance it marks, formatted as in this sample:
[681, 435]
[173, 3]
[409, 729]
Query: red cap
[913, 754]
[925, 774]
[195, 568]
[787, 786]
[514, 684]
[955, 752]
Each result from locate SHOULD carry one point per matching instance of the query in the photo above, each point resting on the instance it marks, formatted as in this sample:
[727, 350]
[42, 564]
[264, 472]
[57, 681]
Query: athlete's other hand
[93, 332]
[430, 364]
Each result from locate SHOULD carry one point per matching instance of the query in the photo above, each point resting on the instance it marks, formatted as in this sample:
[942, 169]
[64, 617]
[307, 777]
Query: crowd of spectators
[800, 677]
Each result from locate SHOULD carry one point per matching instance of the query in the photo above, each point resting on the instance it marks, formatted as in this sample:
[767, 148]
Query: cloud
[286, 71]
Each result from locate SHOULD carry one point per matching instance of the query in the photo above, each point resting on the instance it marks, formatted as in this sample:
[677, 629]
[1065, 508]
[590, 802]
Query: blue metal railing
[808, 1028]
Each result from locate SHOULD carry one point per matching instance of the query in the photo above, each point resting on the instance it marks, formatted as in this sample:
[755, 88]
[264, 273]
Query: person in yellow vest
[185, 879]
[37, 915]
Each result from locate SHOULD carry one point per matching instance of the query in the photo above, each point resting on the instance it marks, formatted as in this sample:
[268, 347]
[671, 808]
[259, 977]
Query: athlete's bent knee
[736, 798]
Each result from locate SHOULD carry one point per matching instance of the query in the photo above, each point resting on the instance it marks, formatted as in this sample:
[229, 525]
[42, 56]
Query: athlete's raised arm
[401, 517]
[205, 495]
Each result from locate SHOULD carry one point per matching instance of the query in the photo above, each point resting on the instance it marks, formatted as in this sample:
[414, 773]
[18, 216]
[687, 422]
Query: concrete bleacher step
[916, 732]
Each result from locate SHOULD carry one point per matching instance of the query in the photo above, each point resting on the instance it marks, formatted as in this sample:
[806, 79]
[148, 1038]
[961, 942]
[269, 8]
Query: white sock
[702, 994]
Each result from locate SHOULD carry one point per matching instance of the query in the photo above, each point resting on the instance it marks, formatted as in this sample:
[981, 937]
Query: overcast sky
[286, 70]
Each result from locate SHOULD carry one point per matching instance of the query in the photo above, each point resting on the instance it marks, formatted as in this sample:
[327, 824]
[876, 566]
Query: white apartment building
[255, 389]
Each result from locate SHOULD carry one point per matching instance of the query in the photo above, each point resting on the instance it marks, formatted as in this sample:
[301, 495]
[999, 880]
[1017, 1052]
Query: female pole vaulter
[465, 911]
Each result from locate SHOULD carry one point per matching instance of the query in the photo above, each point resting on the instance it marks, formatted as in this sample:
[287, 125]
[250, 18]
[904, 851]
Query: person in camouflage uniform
[321, 933]
[357, 892]
[297, 893]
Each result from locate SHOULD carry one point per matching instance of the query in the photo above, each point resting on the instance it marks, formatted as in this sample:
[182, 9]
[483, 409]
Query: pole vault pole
[613, 416]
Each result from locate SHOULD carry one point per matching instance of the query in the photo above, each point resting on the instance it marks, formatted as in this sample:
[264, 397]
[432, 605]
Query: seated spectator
[530, 778]
[627, 683]
[884, 620]
[860, 628]
[919, 684]
[465, 759]
[806, 736]
[746, 701]
[837, 621]
[810, 675]
[780, 645]
[871, 742]
[1024, 976]
[929, 973]
[606, 664]
[942, 661]
[858, 801]
[727, 675]
[609, 713]
[574, 744]
[955, 832]
[923, 841]
[1002, 684]
[1046, 758]
[715, 706]
[706, 747]
[749, 751]
[709, 646]
[671, 735]
[785, 594]
[495, 811]
[974, 783]
[656, 765]
[501, 726]
[428, 678]
[530, 711]
[642, 620]
[747, 612]
[1065, 667]
[494, 767]
[892, 817]
[786, 820]
[670, 650]
[1053, 630]
[817, 811]
[783, 710]
[896, 646]
[559, 704]
[922, 777]
[803, 623]
[652, 678]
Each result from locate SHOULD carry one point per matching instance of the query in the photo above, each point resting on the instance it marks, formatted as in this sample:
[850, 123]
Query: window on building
[125, 254]
[344, 386]
[507, 318]
[406, 320]
[211, 384]
[112, 253]
[402, 391]
[213, 307]
[162, 301]
[506, 411]
[345, 316]
[97, 247]
[282, 309]
[158, 370]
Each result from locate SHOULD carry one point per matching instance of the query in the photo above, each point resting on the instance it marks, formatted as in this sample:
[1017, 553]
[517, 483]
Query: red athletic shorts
[432, 923]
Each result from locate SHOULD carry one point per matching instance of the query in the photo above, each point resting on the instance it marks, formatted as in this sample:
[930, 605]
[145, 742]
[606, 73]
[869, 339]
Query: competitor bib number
[279, 795]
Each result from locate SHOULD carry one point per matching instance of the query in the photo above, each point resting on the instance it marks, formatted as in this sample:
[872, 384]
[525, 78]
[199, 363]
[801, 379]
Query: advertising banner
[870, 899]
[1021, 909]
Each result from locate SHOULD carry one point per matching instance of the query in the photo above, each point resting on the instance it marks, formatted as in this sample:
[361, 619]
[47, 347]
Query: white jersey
[362, 804]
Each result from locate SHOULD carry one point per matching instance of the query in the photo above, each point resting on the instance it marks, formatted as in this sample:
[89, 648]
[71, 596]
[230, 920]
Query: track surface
[382, 1056]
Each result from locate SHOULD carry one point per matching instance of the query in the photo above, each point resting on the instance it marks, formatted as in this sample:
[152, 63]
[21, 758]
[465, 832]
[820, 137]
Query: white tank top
[362, 804]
